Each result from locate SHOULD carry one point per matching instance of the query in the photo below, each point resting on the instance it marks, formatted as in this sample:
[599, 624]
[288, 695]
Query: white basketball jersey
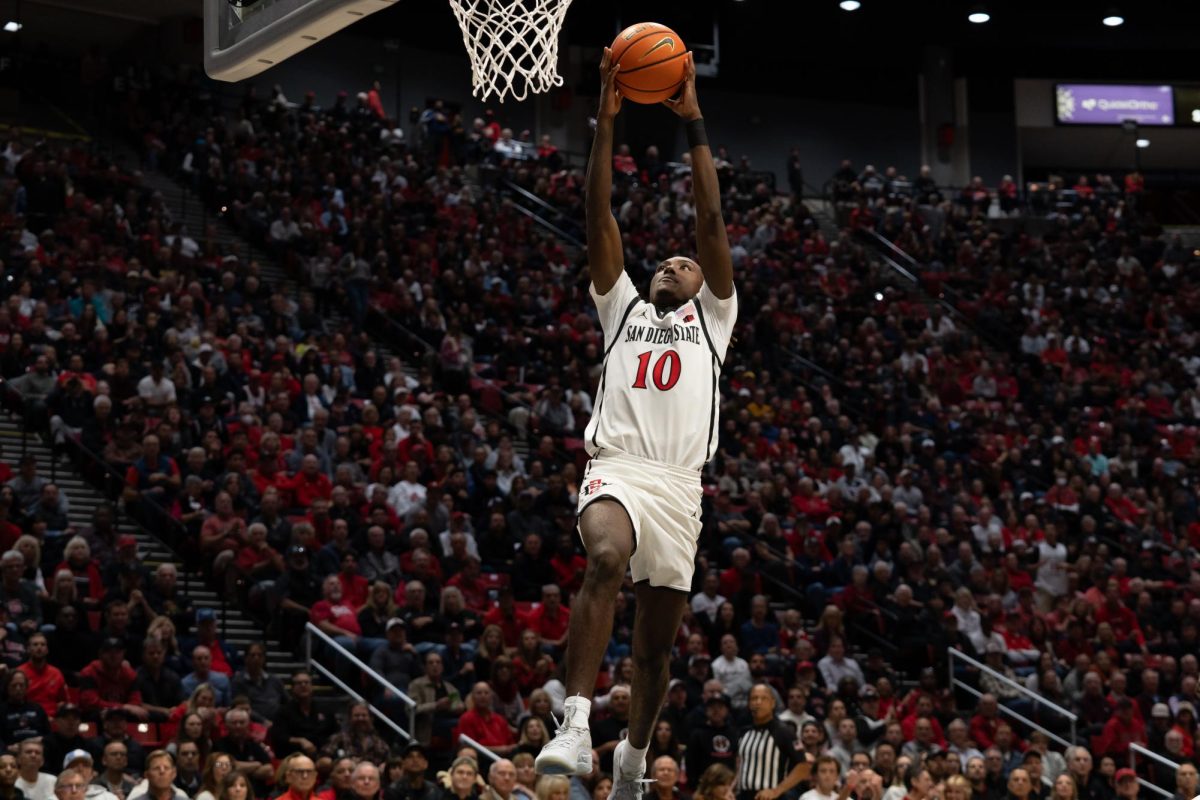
[658, 394]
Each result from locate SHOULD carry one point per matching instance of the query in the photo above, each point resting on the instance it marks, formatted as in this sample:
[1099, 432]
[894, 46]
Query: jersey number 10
[666, 371]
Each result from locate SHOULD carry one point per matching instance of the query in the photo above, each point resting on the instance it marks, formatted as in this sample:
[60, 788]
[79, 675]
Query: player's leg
[656, 622]
[659, 611]
[607, 534]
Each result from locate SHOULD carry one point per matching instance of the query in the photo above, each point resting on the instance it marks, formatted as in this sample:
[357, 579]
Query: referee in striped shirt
[770, 762]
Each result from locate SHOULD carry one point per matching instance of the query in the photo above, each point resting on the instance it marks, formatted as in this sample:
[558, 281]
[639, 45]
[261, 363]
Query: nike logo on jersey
[656, 335]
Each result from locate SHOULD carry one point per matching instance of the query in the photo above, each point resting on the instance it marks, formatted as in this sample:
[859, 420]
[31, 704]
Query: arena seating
[953, 420]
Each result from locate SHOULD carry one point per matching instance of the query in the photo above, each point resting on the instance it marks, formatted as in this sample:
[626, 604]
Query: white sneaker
[628, 780]
[570, 751]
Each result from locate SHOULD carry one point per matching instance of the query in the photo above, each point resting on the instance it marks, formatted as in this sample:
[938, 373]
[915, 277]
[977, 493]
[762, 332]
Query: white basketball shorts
[663, 503]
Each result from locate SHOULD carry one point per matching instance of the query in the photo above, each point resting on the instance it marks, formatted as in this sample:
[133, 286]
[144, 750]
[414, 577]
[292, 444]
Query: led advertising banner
[1099, 104]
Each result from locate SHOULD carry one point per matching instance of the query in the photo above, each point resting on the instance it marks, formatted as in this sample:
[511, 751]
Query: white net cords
[513, 45]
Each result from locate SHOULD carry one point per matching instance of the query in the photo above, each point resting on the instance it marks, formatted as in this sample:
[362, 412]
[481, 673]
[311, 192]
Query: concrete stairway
[237, 628]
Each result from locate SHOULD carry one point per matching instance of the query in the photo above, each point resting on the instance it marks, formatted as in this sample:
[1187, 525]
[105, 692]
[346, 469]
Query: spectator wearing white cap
[81, 761]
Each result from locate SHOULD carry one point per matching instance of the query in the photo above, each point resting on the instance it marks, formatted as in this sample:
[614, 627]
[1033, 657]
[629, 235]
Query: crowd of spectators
[1011, 474]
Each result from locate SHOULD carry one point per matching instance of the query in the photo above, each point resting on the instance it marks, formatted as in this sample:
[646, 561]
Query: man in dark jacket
[412, 784]
[713, 742]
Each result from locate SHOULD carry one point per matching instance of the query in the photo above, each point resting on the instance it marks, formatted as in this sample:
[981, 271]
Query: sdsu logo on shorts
[593, 486]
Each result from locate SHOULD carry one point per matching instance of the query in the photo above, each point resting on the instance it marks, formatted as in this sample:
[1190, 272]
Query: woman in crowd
[236, 786]
[216, 768]
[553, 787]
[664, 743]
[506, 693]
[715, 784]
[461, 780]
[533, 736]
[77, 559]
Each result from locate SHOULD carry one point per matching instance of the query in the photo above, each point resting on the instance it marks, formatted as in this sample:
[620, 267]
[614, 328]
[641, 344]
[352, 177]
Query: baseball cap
[116, 712]
[75, 755]
[1124, 773]
[68, 709]
[868, 693]
[394, 622]
[206, 615]
[675, 684]
[718, 698]
[297, 550]
[696, 659]
[1160, 710]
[111, 643]
[803, 665]
[126, 540]
[413, 747]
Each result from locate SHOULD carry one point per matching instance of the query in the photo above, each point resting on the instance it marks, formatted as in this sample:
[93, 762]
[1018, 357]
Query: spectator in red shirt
[47, 685]
[108, 682]
[1124, 728]
[986, 721]
[623, 162]
[310, 483]
[338, 619]
[483, 725]
[1124, 622]
[568, 565]
[550, 619]
[375, 100]
[354, 586]
[805, 501]
[739, 578]
[507, 618]
[472, 585]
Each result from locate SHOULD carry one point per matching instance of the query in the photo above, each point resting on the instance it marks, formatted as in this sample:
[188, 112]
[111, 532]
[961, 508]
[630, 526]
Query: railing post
[308, 644]
[950, 673]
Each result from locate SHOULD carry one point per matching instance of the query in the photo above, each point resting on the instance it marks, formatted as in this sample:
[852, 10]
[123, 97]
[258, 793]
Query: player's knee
[606, 564]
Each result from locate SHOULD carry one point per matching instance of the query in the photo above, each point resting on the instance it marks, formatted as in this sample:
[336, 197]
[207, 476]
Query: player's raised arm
[712, 243]
[605, 257]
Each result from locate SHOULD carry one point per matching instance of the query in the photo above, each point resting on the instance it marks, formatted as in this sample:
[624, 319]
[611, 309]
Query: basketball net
[513, 45]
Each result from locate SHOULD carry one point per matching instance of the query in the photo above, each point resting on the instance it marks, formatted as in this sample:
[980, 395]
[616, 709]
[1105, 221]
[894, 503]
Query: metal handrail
[528, 195]
[464, 739]
[548, 225]
[1136, 750]
[410, 704]
[1034, 696]
[376, 312]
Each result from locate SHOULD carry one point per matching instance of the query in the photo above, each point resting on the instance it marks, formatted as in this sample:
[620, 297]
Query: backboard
[245, 37]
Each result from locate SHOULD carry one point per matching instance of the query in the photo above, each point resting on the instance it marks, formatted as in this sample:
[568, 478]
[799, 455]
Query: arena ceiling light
[979, 15]
[1113, 20]
[12, 26]
[850, 5]
[1142, 143]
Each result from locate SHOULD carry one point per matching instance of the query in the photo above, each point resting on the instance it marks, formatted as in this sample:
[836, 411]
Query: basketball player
[654, 428]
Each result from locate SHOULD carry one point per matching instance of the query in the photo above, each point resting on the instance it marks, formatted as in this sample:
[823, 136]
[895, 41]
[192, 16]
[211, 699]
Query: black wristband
[696, 135]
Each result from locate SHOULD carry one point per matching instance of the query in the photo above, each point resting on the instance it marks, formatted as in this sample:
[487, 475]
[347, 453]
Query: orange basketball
[652, 59]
